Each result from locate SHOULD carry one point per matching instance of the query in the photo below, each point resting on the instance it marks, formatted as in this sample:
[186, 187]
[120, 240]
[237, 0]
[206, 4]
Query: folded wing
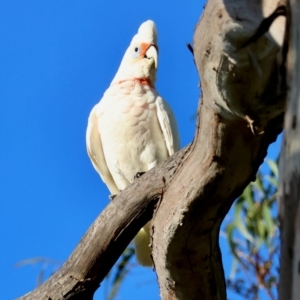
[95, 151]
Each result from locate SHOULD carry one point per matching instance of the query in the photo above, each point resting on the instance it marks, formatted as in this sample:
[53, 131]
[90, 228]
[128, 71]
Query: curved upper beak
[152, 53]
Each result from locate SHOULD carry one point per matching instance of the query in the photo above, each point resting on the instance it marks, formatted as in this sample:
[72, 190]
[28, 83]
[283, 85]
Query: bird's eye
[136, 51]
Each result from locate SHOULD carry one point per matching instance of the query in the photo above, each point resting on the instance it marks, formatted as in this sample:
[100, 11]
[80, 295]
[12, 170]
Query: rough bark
[239, 86]
[289, 188]
[239, 116]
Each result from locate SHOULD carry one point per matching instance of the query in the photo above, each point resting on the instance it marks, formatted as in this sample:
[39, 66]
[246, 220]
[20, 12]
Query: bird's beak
[152, 53]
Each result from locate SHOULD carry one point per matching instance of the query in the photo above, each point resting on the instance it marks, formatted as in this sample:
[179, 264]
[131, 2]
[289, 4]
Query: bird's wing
[95, 151]
[168, 125]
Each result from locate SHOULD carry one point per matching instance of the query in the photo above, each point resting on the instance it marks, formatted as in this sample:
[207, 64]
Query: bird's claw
[112, 197]
[138, 175]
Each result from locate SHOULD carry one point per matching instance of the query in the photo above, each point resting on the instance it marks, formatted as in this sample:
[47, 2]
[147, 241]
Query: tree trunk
[289, 188]
[239, 116]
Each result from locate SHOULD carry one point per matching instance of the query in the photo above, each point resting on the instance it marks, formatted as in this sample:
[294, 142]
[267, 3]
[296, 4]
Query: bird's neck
[142, 81]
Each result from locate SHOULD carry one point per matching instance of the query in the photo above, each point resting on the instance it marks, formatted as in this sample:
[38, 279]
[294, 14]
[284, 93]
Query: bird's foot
[138, 175]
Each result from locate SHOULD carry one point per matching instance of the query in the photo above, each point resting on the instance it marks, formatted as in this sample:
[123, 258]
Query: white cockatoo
[132, 128]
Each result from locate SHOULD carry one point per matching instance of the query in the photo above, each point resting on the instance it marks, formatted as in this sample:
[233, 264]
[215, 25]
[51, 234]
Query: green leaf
[231, 243]
[271, 180]
[273, 166]
[234, 267]
[248, 195]
[266, 214]
[258, 184]
[261, 232]
[239, 223]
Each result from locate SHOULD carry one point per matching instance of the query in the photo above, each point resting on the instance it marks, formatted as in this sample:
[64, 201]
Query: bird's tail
[142, 246]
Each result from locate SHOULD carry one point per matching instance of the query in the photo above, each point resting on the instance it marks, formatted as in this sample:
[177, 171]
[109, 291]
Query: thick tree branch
[224, 159]
[240, 115]
[108, 236]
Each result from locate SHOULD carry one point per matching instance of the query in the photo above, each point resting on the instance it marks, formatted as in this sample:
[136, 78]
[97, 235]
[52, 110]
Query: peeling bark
[239, 116]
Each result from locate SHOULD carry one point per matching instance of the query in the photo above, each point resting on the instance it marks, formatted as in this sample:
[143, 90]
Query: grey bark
[239, 116]
[289, 188]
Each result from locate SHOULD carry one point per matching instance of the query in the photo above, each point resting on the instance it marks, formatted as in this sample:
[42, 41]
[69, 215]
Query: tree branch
[108, 236]
[239, 86]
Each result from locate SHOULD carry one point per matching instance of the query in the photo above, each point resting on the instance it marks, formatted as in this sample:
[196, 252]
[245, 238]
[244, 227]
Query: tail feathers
[142, 246]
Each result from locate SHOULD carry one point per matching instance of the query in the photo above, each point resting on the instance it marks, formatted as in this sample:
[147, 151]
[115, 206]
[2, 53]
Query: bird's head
[141, 58]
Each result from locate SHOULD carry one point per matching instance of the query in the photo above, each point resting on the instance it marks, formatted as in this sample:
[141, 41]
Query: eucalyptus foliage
[253, 238]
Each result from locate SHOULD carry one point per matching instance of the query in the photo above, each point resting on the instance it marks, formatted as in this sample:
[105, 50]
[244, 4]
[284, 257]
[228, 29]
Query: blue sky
[57, 59]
